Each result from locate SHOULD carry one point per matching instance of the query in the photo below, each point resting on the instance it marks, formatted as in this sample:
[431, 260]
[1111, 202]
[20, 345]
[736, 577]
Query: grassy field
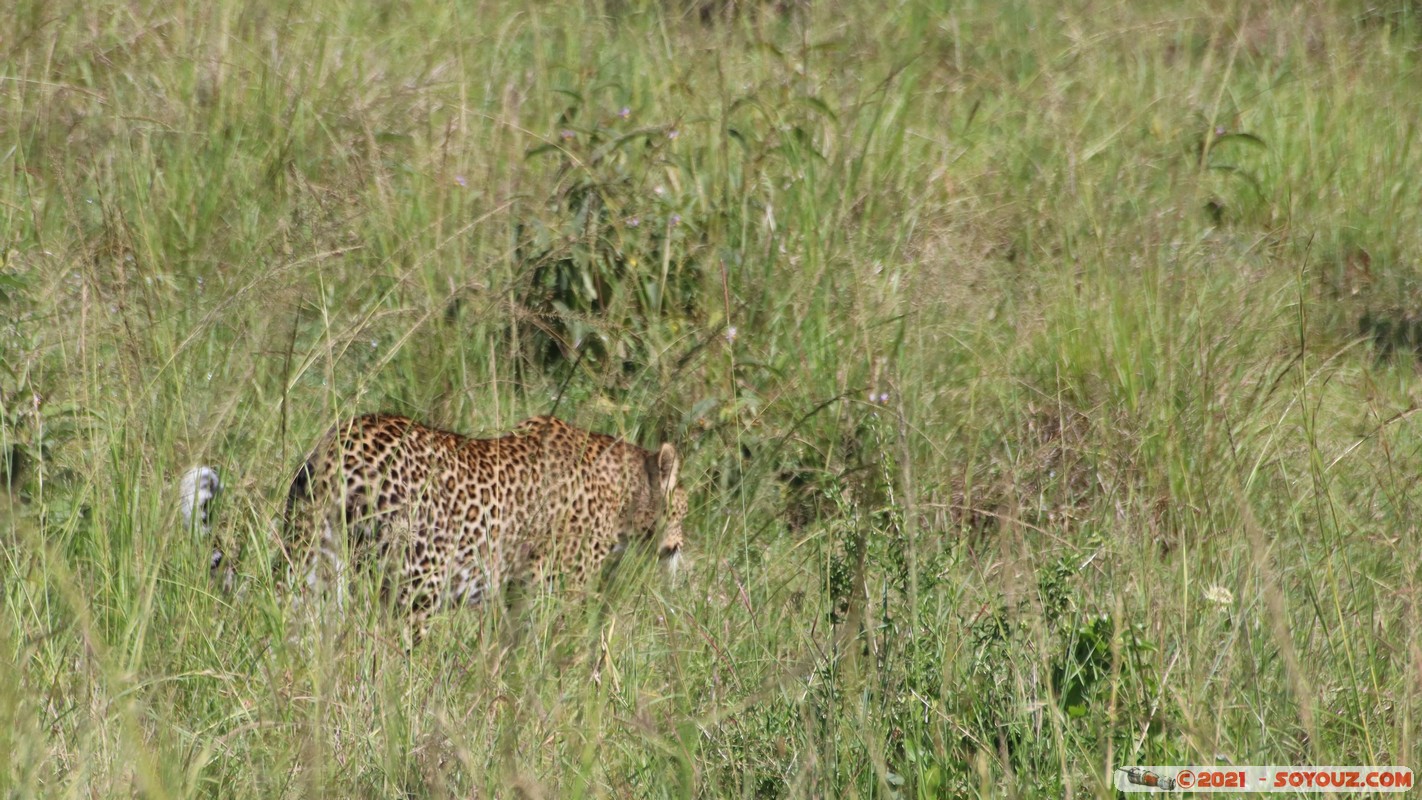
[1044, 376]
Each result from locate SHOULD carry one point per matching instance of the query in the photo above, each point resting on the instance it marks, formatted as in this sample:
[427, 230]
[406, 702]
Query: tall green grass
[1044, 375]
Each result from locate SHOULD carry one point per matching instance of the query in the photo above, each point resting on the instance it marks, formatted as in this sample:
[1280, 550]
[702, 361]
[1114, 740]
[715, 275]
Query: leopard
[454, 520]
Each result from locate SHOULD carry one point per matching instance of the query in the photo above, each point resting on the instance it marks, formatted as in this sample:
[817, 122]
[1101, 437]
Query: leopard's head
[663, 468]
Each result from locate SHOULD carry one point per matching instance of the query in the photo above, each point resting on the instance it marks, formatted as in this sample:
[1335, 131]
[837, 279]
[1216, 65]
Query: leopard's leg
[327, 568]
[526, 577]
[414, 602]
[416, 625]
[391, 554]
[320, 525]
[427, 579]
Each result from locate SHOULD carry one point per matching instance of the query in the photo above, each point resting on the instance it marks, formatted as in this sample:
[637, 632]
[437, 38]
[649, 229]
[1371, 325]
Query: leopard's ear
[667, 466]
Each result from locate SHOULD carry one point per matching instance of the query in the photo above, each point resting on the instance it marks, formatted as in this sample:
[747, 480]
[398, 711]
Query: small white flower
[731, 333]
[1219, 594]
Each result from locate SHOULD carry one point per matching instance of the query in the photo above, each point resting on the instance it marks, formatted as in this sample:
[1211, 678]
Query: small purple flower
[633, 222]
[567, 134]
[673, 133]
[675, 219]
[625, 112]
[461, 180]
[731, 333]
[1221, 130]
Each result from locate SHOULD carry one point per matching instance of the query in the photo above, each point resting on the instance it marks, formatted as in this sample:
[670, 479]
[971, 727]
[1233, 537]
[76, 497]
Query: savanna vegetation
[1045, 378]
